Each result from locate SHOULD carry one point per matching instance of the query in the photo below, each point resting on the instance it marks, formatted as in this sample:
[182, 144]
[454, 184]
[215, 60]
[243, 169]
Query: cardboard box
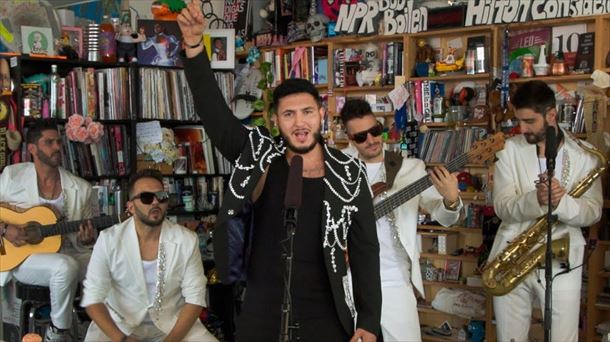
[164, 168]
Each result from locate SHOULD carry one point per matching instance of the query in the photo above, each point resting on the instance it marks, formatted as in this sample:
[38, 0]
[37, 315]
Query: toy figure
[126, 43]
[424, 53]
[64, 47]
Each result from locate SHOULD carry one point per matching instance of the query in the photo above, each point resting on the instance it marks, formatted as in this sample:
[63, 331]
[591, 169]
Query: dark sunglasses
[148, 197]
[360, 137]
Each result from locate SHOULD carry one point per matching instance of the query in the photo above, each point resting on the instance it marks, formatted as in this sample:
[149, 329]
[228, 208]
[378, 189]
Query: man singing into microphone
[521, 197]
[335, 218]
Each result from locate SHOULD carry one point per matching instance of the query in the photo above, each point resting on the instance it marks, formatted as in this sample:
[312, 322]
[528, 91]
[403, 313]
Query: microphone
[294, 185]
[550, 150]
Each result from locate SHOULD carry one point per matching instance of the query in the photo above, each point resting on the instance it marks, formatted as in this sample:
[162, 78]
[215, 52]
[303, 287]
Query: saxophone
[519, 258]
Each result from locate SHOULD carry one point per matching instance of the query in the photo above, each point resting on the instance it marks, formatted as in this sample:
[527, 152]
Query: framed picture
[162, 44]
[72, 37]
[220, 45]
[37, 40]
[452, 269]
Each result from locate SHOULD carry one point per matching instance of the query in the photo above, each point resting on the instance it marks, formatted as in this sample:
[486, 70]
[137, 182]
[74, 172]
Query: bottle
[107, 41]
[53, 92]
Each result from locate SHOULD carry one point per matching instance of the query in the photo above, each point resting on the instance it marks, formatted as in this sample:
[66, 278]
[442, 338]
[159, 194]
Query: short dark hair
[355, 108]
[35, 130]
[535, 95]
[144, 173]
[294, 86]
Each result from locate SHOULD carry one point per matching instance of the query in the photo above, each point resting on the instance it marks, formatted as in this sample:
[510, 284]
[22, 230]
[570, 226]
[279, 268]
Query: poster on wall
[162, 44]
[238, 15]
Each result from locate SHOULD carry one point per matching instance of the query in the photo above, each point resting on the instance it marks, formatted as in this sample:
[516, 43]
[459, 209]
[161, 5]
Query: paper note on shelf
[149, 132]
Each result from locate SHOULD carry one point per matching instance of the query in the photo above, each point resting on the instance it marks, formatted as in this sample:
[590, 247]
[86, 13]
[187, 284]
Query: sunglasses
[148, 197]
[360, 137]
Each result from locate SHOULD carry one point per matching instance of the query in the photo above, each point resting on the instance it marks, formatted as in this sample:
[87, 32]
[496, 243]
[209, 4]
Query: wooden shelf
[604, 274]
[454, 285]
[449, 257]
[465, 230]
[458, 124]
[436, 312]
[607, 204]
[553, 79]
[363, 89]
[430, 338]
[452, 77]
[472, 196]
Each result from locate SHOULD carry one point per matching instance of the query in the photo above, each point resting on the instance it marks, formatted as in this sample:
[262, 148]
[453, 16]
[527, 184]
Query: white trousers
[146, 332]
[514, 310]
[399, 317]
[60, 272]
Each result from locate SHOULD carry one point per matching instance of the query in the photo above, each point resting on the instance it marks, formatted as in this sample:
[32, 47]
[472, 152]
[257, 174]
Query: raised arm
[225, 130]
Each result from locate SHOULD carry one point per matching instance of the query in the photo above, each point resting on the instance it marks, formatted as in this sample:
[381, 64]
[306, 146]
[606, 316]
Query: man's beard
[48, 160]
[147, 221]
[534, 138]
[317, 138]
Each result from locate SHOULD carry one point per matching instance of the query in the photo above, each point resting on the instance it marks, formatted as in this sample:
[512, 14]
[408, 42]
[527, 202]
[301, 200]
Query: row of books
[442, 146]
[108, 198]
[207, 192]
[109, 157]
[197, 149]
[97, 93]
[165, 95]
[310, 63]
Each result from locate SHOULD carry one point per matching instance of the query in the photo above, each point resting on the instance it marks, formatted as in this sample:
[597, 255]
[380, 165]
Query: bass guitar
[43, 231]
[480, 152]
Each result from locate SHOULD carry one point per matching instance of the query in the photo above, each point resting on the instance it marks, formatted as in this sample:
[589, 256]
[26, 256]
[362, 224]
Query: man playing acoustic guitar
[44, 181]
[399, 255]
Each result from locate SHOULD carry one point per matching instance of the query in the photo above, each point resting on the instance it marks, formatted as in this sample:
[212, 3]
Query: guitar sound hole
[33, 234]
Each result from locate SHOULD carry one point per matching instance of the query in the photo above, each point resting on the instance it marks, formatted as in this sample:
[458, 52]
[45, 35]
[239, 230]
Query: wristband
[452, 206]
[194, 46]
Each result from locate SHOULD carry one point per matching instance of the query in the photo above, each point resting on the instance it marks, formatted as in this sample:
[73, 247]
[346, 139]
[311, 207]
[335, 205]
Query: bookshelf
[493, 36]
[121, 95]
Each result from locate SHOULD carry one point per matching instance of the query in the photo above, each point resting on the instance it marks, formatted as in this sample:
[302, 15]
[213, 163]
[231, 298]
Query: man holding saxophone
[521, 197]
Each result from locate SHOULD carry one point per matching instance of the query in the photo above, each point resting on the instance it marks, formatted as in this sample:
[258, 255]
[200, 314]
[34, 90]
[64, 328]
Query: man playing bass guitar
[399, 255]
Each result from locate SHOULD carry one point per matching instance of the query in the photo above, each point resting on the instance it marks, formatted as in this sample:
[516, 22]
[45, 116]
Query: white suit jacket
[411, 170]
[19, 187]
[515, 200]
[406, 215]
[115, 277]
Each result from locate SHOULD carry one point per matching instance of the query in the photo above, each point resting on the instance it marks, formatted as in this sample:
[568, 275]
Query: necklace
[49, 194]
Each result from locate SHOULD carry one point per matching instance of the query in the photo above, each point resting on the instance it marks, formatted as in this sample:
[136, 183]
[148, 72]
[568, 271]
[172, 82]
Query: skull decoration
[316, 27]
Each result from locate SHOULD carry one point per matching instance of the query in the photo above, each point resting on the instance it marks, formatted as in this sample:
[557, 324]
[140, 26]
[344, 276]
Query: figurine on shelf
[64, 47]
[450, 63]
[126, 43]
[424, 53]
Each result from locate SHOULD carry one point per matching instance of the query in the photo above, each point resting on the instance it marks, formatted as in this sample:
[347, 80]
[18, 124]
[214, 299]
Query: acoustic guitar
[43, 231]
[480, 152]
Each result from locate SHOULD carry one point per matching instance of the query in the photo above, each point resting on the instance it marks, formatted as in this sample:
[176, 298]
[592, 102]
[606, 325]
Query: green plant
[264, 104]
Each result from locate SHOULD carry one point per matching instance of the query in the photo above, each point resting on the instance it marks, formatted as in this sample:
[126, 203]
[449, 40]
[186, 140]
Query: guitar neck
[61, 228]
[403, 195]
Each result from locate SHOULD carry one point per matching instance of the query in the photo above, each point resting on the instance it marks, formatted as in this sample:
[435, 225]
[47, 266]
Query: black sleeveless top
[312, 303]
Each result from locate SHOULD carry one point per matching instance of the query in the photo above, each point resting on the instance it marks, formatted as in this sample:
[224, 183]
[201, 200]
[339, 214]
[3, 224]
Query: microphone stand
[548, 260]
[290, 223]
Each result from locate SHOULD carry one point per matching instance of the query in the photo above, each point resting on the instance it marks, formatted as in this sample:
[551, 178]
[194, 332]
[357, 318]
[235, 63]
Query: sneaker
[54, 334]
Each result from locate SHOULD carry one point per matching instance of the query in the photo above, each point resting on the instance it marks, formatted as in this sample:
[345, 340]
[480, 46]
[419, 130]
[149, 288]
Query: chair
[34, 297]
